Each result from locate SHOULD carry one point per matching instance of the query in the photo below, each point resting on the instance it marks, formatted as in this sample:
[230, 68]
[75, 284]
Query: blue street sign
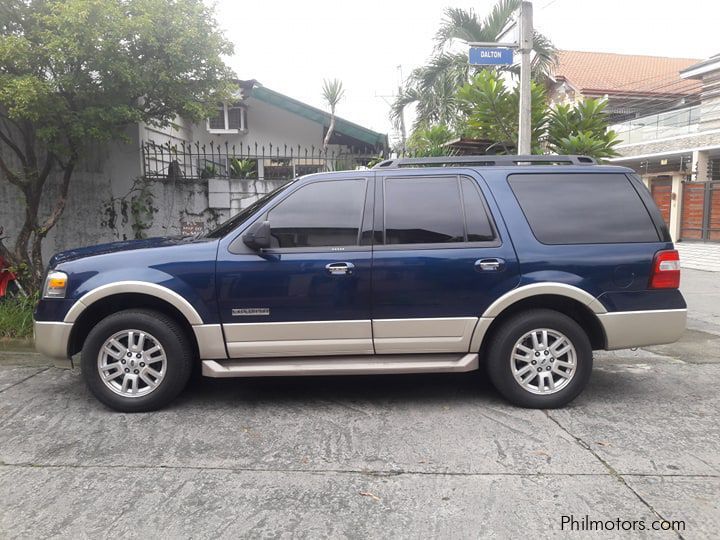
[490, 56]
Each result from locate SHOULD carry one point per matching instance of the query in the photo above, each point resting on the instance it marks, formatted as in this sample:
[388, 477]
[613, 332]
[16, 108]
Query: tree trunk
[26, 254]
[330, 130]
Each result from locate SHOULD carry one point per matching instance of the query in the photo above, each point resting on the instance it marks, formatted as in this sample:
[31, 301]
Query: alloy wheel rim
[132, 363]
[543, 361]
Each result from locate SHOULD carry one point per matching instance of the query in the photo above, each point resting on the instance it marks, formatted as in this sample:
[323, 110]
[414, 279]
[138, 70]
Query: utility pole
[401, 89]
[525, 46]
[490, 53]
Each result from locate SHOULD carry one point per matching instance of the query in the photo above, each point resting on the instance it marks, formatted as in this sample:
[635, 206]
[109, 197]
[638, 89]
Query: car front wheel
[136, 360]
[540, 359]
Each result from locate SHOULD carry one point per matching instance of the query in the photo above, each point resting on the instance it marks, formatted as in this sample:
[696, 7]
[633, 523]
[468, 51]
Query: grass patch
[16, 317]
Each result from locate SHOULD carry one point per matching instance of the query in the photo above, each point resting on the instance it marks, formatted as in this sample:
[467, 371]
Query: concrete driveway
[373, 457]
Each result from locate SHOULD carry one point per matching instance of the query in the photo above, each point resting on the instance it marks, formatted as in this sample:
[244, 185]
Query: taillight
[666, 270]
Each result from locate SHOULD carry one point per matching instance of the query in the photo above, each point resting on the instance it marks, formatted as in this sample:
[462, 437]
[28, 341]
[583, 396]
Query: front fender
[191, 299]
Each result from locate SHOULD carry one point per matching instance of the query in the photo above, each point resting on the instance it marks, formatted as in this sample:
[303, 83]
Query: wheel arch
[85, 319]
[579, 306]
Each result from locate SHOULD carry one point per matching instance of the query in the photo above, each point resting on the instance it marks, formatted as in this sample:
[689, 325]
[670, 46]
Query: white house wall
[267, 125]
[177, 132]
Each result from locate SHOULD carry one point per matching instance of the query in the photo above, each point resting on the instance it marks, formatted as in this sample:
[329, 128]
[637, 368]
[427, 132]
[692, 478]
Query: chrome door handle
[489, 265]
[339, 268]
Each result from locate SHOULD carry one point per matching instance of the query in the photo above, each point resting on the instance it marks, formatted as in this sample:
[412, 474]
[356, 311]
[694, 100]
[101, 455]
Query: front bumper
[627, 329]
[52, 338]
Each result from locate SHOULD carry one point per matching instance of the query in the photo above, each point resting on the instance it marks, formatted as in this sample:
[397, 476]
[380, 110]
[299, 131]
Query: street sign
[490, 56]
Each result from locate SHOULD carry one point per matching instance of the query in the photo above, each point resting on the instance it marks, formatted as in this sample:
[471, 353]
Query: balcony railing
[663, 125]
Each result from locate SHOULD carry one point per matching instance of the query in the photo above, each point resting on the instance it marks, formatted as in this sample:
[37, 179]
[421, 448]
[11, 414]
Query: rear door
[441, 257]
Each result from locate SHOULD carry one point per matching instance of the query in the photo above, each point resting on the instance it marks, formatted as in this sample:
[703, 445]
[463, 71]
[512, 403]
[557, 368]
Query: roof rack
[484, 161]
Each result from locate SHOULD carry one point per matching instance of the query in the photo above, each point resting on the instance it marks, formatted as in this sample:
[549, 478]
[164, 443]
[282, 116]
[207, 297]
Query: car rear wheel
[540, 359]
[136, 360]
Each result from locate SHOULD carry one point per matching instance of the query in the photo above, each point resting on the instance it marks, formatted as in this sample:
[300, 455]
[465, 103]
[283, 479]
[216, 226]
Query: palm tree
[432, 87]
[332, 94]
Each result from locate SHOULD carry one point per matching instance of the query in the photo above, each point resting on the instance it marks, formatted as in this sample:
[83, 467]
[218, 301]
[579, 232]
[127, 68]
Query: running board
[341, 365]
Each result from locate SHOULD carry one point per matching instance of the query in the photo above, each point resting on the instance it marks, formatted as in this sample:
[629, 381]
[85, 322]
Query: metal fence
[193, 160]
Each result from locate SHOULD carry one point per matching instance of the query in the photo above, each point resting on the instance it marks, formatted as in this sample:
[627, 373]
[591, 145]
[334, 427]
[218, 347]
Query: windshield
[238, 218]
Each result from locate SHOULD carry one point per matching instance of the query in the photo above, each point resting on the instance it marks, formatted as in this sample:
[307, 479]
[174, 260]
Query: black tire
[167, 332]
[500, 351]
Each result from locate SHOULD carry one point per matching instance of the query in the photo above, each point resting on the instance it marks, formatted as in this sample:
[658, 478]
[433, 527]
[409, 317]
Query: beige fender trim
[527, 291]
[535, 289]
[141, 287]
[209, 337]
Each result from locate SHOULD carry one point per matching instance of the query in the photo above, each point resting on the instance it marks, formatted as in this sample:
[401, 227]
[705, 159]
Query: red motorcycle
[9, 284]
[7, 278]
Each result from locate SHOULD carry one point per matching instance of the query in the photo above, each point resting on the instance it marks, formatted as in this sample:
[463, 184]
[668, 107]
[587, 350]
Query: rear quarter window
[600, 208]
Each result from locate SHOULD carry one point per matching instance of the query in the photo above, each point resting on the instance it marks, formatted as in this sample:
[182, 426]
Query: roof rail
[484, 161]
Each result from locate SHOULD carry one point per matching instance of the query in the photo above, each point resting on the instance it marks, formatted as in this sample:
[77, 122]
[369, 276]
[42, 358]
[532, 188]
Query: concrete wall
[107, 170]
[110, 175]
[181, 206]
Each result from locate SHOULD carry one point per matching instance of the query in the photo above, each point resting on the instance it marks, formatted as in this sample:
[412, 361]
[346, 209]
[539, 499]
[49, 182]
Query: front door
[308, 294]
[440, 262]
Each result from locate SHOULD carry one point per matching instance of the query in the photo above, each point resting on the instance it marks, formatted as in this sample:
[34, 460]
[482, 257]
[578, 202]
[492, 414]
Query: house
[676, 150]
[188, 177]
[273, 136]
[633, 85]
[259, 119]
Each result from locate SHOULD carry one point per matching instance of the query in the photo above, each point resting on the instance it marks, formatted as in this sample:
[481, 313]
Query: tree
[430, 142]
[78, 72]
[582, 129]
[428, 85]
[491, 112]
[332, 94]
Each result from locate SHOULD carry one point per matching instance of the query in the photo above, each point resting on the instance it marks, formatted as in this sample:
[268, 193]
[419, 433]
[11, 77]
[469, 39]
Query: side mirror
[257, 236]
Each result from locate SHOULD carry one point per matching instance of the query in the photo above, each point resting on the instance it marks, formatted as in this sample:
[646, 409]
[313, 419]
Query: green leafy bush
[430, 141]
[243, 168]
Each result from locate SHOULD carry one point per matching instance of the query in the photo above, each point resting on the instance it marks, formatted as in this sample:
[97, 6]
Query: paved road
[371, 457]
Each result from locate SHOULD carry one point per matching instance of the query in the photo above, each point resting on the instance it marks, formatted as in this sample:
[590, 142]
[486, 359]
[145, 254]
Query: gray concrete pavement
[702, 293]
[371, 457]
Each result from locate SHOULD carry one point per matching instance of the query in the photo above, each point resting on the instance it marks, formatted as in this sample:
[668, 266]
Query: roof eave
[319, 116]
[696, 71]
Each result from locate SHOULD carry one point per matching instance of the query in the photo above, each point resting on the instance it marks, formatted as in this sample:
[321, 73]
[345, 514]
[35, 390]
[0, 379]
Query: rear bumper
[51, 338]
[626, 329]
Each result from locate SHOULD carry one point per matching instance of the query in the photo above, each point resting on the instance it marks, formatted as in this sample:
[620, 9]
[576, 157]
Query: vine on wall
[136, 207]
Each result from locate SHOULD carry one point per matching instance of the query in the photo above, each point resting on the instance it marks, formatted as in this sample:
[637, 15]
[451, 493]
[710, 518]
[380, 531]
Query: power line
[649, 106]
[548, 4]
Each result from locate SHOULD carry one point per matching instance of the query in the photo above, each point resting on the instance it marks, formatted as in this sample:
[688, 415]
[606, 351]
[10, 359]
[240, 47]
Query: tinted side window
[479, 228]
[422, 210]
[583, 208]
[319, 214]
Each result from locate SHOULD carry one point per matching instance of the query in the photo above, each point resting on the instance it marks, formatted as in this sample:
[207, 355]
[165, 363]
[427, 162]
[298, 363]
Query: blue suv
[521, 264]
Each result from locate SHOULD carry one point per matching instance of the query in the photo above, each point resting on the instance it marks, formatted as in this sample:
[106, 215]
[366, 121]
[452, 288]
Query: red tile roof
[609, 73]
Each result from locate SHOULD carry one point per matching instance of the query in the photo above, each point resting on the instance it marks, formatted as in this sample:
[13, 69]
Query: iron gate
[701, 211]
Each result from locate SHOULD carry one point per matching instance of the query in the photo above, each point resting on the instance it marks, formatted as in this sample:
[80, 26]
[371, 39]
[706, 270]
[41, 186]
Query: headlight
[55, 285]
